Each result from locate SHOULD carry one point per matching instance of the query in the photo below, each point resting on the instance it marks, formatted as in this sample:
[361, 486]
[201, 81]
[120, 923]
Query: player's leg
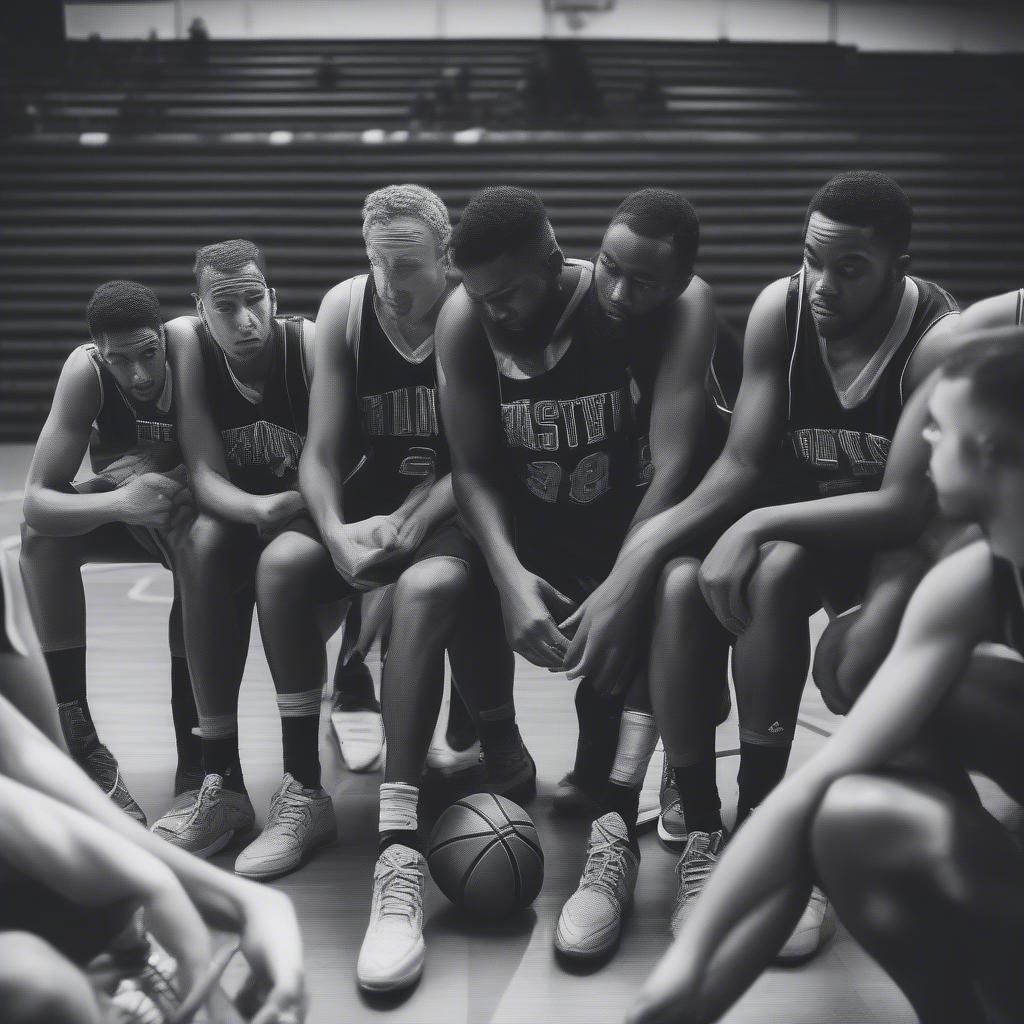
[51, 568]
[38, 985]
[930, 885]
[214, 561]
[429, 597]
[184, 714]
[294, 579]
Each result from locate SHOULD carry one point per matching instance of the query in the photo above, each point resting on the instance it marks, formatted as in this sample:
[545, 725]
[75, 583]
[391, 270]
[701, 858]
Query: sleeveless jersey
[398, 415]
[1009, 604]
[571, 450]
[828, 448]
[121, 426]
[262, 441]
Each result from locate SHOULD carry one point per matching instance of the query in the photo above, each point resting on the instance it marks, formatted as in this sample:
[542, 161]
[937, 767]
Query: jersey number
[587, 482]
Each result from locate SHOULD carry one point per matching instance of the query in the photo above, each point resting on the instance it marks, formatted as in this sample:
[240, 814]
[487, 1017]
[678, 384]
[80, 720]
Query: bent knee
[290, 566]
[782, 565]
[679, 584]
[442, 581]
[38, 985]
[206, 540]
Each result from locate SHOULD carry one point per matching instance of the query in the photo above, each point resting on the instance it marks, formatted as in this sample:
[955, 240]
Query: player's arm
[607, 624]
[729, 938]
[995, 311]
[201, 443]
[264, 917]
[679, 407]
[52, 506]
[470, 403]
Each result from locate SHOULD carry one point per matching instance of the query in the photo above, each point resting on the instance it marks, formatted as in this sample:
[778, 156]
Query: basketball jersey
[262, 440]
[831, 448]
[121, 426]
[398, 415]
[570, 442]
[1009, 603]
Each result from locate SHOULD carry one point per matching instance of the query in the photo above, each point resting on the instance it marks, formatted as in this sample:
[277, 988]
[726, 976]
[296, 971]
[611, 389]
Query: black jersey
[122, 426]
[262, 440]
[835, 448]
[1009, 604]
[571, 448]
[398, 414]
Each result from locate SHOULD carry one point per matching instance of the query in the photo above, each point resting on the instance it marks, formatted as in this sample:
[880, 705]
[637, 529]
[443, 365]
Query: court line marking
[140, 592]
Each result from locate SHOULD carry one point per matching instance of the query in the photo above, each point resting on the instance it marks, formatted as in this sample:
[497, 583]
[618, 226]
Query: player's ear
[273, 301]
[901, 266]
[199, 305]
[555, 262]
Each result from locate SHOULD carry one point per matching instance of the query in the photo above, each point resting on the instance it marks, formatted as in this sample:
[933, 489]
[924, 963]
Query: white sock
[638, 736]
[398, 807]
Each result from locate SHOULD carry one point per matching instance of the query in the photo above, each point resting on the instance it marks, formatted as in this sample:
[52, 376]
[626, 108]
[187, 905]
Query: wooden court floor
[475, 974]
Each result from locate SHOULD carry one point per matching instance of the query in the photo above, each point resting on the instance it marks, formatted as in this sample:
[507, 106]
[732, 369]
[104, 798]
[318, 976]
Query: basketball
[485, 856]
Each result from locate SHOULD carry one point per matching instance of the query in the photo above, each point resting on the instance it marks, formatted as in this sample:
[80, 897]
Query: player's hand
[358, 548]
[274, 511]
[154, 499]
[275, 989]
[604, 632]
[726, 572]
[531, 607]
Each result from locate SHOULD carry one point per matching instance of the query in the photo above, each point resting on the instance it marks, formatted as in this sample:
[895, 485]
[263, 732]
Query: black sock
[761, 770]
[499, 729]
[300, 735]
[400, 836]
[599, 719]
[186, 718]
[624, 801]
[220, 757]
[354, 685]
[67, 673]
[698, 791]
[461, 731]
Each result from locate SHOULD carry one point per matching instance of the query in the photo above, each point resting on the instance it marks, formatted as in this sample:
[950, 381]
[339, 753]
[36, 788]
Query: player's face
[848, 272]
[512, 293]
[961, 462]
[408, 271]
[138, 361]
[635, 275]
[238, 309]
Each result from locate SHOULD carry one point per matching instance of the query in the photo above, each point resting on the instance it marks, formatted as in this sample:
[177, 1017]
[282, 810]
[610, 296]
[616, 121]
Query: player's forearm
[483, 512]
[70, 514]
[218, 496]
[665, 488]
[438, 506]
[874, 519]
[322, 487]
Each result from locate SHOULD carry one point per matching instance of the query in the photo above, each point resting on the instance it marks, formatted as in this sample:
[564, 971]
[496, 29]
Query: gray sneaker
[672, 830]
[300, 820]
[203, 821]
[692, 871]
[591, 919]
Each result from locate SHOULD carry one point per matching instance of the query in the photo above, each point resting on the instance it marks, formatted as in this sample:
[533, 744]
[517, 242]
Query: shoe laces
[695, 865]
[207, 795]
[286, 812]
[399, 890]
[605, 867]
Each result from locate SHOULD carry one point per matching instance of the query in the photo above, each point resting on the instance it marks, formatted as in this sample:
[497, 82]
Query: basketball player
[373, 409]
[830, 356]
[115, 399]
[854, 644]
[925, 879]
[241, 375]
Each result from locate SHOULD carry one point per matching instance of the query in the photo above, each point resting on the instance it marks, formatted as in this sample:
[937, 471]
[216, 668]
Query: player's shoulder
[341, 295]
[182, 329]
[457, 318]
[994, 311]
[80, 387]
[767, 334]
[962, 577]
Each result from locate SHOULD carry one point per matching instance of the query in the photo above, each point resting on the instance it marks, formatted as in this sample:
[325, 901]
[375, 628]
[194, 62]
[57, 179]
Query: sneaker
[157, 977]
[359, 731]
[816, 926]
[447, 761]
[205, 820]
[186, 780]
[576, 797]
[300, 821]
[591, 919]
[391, 956]
[650, 794]
[95, 759]
[693, 869]
[510, 770]
[672, 830]
[130, 1005]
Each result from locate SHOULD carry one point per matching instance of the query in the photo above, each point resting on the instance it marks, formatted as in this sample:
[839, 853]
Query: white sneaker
[391, 956]
[360, 735]
[450, 762]
[692, 871]
[591, 919]
[203, 821]
[650, 794]
[299, 821]
[816, 926]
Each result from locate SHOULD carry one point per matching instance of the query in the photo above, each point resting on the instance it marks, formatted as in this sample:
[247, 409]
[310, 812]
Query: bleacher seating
[747, 134]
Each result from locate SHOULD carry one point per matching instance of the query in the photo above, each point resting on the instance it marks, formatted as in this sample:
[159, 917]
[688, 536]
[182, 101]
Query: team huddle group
[482, 447]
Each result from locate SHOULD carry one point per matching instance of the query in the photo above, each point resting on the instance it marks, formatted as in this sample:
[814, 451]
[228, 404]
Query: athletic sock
[498, 725]
[300, 735]
[638, 736]
[398, 821]
[220, 750]
[698, 792]
[598, 718]
[353, 685]
[624, 801]
[761, 770]
[186, 718]
[67, 673]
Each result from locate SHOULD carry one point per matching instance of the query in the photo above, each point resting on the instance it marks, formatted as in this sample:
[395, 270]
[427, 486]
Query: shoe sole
[669, 840]
[407, 978]
[828, 929]
[578, 956]
[266, 876]
[220, 843]
[371, 765]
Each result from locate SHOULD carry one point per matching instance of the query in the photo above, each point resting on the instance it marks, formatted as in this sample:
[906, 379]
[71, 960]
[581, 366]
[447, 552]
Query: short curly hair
[501, 219]
[654, 212]
[122, 306]
[867, 199]
[227, 257]
[384, 205]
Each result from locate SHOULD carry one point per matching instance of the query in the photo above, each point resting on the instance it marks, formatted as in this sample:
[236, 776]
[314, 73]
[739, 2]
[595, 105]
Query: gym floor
[505, 973]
